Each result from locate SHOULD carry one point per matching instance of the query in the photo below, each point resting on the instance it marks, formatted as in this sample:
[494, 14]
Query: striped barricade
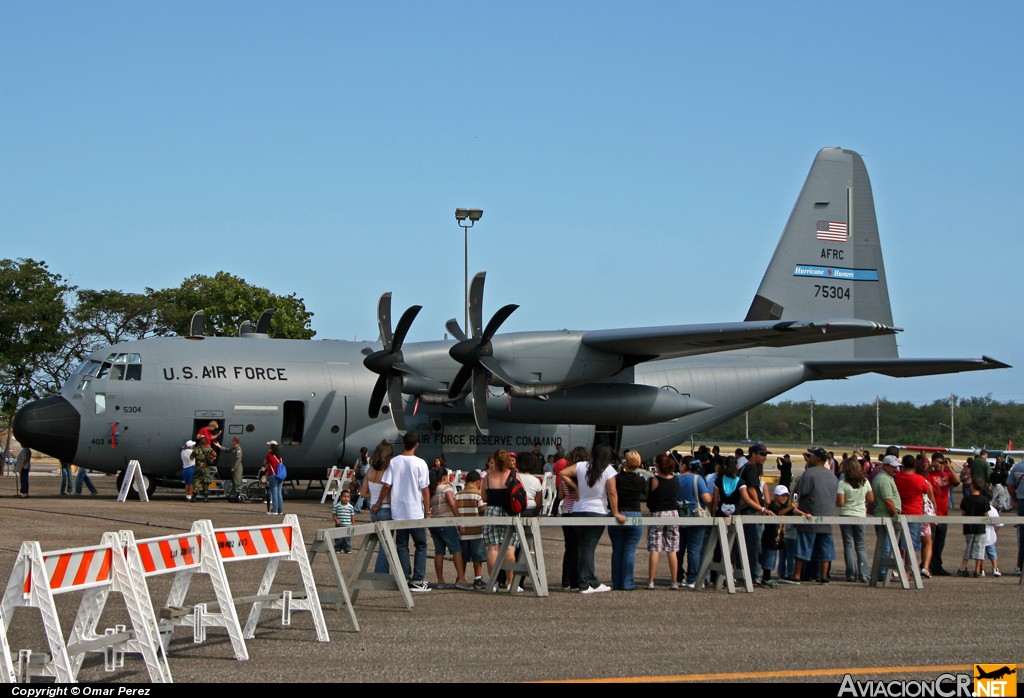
[38, 577]
[183, 555]
[338, 480]
[272, 543]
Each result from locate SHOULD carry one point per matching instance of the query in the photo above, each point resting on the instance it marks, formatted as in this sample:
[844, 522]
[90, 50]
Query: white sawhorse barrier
[133, 478]
[183, 555]
[38, 577]
[273, 543]
[549, 493]
[338, 480]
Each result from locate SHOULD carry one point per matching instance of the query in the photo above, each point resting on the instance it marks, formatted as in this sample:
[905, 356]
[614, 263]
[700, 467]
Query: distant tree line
[48, 326]
[979, 421]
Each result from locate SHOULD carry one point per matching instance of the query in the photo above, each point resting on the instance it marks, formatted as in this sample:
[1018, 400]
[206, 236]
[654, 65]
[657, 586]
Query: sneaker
[674, 585]
[419, 586]
[926, 574]
[962, 573]
[442, 585]
[789, 580]
[769, 584]
[982, 573]
[691, 585]
[600, 589]
[823, 580]
[478, 583]
[865, 580]
[997, 573]
[465, 586]
[650, 585]
[1016, 572]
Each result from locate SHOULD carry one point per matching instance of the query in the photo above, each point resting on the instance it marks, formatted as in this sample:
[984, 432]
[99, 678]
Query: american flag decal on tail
[833, 231]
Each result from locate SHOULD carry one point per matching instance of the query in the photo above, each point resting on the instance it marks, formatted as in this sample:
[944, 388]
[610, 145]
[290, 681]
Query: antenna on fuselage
[263, 324]
[198, 324]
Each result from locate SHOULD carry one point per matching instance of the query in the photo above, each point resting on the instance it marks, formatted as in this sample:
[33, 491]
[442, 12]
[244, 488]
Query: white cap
[190, 443]
[781, 490]
[272, 443]
[893, 461]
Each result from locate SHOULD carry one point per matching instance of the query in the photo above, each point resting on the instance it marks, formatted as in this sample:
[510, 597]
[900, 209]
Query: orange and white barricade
[183, 555]
[274, 543]
[38, 577]
[338, 480]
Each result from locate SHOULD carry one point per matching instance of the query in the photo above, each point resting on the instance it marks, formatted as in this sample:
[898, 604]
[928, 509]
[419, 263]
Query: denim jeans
[752, 537]
[787, 557]
[381, 565]
[624, 542]
[65, 479]
[419, 540]
[276, 495]
[768, 557]
[691, 544]
[854, 553]
[588, 537]
[82, 478]
[880, 573]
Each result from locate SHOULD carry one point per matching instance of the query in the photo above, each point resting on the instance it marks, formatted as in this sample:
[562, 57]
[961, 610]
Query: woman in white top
[370, 491]
[852, 498]
[594, 483]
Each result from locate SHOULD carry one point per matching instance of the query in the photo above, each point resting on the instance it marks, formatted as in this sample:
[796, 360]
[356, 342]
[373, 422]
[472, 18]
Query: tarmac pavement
[809, 632]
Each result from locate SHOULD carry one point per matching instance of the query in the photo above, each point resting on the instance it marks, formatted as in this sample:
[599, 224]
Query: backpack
[281, 472]
[515, 495]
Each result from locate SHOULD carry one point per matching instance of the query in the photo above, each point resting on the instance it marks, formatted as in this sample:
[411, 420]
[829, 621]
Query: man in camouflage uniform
[205, 458]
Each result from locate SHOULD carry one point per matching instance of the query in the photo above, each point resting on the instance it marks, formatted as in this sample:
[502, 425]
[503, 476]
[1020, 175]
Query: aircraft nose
[50, 425]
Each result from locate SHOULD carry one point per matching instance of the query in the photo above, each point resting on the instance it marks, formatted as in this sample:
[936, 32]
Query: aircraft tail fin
[828, 262]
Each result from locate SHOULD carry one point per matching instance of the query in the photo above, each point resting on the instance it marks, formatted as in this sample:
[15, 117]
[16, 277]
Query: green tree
[33, 327]
[227, 301]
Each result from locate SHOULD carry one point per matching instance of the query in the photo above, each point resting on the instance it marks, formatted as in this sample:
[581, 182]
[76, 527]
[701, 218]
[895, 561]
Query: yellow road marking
[780, 674]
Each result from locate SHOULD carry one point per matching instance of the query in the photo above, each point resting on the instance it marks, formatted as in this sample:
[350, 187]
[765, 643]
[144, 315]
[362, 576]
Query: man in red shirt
[942, 478]
[912, 488]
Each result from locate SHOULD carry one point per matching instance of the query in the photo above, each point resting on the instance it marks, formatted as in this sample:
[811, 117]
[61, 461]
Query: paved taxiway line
[783, 674]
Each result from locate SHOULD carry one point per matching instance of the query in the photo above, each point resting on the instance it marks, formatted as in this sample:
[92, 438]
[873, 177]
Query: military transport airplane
[821, 312]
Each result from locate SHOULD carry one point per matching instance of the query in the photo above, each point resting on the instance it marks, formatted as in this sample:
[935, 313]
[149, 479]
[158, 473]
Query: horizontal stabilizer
[898, 368]
[651, 343]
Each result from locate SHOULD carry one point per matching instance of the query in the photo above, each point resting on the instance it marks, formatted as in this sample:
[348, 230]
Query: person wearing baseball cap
[815, 495]
[887, 503]
[752, 499]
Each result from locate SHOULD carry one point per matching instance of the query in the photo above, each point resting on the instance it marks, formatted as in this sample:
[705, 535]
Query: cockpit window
[118, 366]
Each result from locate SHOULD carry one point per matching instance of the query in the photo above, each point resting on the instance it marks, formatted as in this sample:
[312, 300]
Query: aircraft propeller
[476, 353]
[388, 363]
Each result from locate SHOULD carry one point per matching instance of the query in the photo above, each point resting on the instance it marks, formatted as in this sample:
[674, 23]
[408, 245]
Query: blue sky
[636, 162]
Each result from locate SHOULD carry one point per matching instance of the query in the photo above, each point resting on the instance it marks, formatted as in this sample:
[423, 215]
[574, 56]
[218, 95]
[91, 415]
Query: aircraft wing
[652, 343]
[898, 368]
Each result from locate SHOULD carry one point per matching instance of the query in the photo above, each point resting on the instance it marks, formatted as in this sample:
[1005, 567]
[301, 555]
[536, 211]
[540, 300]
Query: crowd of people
[704, 483]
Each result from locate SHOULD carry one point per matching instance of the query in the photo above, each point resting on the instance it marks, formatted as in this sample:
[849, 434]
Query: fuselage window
[101, 403]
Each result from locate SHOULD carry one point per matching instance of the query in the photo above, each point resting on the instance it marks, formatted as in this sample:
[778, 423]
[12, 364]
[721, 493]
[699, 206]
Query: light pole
[811, 427]
[466, 217]
[952, 442]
